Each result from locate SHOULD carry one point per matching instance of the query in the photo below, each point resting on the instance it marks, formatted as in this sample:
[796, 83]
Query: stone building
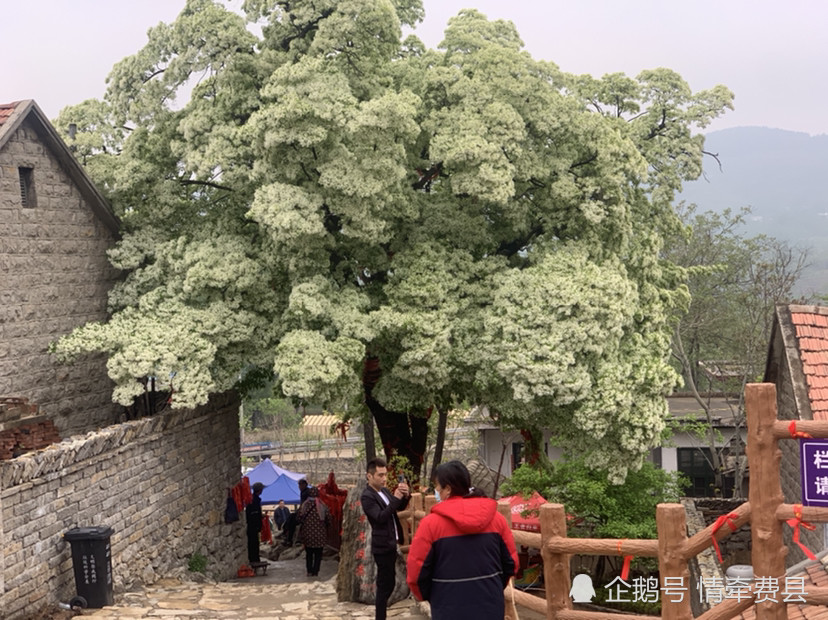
[160, 482]
[55, 229]
[798, 365]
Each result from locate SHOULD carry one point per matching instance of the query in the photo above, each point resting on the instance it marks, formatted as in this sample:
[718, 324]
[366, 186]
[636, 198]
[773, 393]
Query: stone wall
[349, 470]
[736, 547]
[704, 567]
[160, 483]
[55, 277]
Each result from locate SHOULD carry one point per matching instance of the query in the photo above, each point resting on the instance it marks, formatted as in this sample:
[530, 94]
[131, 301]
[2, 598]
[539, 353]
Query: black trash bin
[92, 562]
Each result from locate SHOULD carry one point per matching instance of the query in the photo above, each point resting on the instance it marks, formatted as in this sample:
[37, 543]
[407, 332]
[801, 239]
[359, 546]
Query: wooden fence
[765, 510]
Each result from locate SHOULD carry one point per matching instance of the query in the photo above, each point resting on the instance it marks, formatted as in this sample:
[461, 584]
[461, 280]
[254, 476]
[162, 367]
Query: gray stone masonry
[54, 277]
[705, 567]
[161, 484]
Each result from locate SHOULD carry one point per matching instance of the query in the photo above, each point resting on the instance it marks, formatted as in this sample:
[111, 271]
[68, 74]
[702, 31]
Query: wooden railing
[765, 510]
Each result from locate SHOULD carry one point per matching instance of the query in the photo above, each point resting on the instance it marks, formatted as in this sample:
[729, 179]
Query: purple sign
[813, 458]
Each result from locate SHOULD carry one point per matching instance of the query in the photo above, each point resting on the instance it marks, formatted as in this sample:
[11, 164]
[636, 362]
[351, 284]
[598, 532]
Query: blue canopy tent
[267, 472]
[283, 488]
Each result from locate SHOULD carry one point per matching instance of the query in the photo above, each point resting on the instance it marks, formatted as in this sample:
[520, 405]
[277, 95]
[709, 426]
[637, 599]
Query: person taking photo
[381, 507]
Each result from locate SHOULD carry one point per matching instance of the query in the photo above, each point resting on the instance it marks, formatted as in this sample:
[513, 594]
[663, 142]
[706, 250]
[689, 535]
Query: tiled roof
[6, 110]
[811, 324]
[815, 575]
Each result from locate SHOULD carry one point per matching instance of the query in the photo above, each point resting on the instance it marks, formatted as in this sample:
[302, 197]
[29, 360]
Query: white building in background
[685, 451]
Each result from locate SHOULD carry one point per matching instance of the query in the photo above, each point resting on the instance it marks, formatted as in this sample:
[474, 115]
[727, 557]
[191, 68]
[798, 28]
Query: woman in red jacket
[463, 553]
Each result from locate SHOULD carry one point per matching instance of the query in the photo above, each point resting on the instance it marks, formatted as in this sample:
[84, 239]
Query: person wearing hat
[253, 513]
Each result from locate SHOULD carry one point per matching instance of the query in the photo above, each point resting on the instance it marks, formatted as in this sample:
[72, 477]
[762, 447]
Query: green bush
[197, 563]
[601, 509]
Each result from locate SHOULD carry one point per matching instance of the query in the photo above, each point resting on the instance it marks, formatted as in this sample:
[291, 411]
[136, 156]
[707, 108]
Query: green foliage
[398, 465]
[526, 479]
[271, 413]
[735, 282]
[601, 509]
[720, 342]
[479, 221]
[197, 563]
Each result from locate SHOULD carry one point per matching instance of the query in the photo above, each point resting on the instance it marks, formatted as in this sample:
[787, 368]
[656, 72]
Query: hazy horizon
[773, 57]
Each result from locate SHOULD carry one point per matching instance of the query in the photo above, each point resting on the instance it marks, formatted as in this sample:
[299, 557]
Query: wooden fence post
[671, 522]
[505, 509]
[416, 504]
[768, 550]
[555, 565]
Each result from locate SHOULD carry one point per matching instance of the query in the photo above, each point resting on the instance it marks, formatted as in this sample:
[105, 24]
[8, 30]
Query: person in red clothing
[463, 553]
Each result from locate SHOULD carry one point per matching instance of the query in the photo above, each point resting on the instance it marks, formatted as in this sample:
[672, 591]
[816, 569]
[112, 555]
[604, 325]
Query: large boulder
[357, 575]
[482, 477]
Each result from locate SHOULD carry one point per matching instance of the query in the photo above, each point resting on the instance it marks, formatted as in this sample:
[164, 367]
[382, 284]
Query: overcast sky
[773, 55]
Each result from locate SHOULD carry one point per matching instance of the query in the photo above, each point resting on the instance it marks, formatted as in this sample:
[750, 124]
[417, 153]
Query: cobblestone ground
[247, 601]
[284, 593]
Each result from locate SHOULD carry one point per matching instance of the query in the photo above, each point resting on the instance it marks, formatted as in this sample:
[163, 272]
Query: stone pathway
[246, 601]
[284, 593]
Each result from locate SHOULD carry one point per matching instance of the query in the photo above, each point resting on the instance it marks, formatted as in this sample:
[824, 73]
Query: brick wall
[22, 429]
[160, 483]
[55, 278]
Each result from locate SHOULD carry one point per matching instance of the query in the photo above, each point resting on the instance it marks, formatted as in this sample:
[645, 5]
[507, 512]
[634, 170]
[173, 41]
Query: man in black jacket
[381, 508]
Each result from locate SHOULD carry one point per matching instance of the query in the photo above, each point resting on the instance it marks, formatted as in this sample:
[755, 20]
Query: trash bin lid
[740, 571]
[88, 533]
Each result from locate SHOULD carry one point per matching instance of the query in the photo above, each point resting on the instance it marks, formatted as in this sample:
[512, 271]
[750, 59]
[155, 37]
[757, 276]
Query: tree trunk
[442, 421]
[402, 434]
[368, 433]
[505, 443]
[532, 446]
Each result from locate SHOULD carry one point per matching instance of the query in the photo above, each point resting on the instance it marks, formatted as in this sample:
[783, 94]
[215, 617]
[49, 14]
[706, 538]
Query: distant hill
[783, 177]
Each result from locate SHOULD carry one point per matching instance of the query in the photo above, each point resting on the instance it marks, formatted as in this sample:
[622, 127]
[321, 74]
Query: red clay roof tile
[811, 323]
[819, 370]
[812, 344]
[817, 381]
[801, 318]
[812, 357]
[6, 110]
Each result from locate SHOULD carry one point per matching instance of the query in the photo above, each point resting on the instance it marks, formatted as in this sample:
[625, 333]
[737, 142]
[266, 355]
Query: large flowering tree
[376, 222]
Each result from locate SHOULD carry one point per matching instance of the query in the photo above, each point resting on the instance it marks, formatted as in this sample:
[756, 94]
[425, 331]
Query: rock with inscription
[357, 576]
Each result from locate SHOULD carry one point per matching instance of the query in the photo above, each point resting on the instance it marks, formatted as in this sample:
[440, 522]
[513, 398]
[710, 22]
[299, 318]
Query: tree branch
[427, 176]
[205, 184]
[714, 156]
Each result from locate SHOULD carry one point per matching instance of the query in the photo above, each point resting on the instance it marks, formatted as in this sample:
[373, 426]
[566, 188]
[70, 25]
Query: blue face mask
[437, 495]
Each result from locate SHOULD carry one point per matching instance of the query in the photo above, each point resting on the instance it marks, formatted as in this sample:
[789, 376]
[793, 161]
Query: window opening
[27, 190]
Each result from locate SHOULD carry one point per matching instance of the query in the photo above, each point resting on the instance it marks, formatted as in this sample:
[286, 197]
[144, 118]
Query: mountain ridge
[782, 176]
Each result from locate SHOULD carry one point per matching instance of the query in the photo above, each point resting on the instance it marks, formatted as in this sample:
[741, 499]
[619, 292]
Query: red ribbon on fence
[625, 567]
[729, 519]
[795, 523]
[795, 434]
